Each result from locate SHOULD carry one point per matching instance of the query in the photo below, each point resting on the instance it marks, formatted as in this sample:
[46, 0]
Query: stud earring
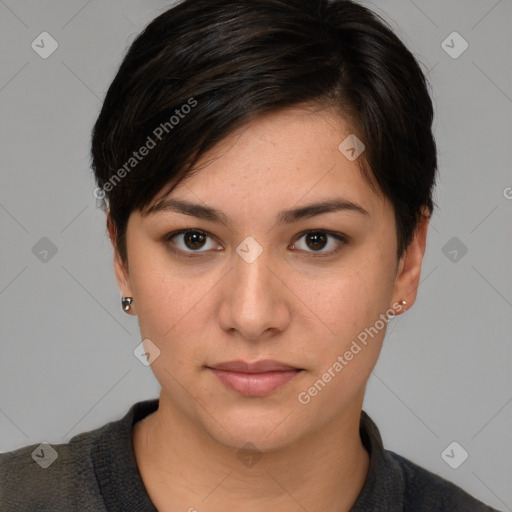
[126, 303]
[403, 303]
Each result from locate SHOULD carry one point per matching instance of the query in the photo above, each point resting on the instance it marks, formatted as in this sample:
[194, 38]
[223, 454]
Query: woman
[267, 170]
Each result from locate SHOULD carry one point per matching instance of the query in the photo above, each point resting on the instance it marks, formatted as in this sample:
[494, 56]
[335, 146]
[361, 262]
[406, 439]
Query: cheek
[353, 297]
[352, 305]
[174, 308]
[168, 307]
[343, 360]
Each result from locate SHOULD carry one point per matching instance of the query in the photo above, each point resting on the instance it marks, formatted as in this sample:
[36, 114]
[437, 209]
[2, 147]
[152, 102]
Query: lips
[266, 365]
[255, 379]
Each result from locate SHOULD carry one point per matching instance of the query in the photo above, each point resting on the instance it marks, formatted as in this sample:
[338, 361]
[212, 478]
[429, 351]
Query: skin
[287, 305]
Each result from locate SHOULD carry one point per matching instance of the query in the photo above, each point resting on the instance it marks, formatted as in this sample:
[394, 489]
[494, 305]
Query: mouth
[257, 379]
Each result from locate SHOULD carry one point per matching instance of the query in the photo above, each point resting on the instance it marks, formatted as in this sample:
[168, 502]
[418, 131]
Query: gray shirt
[97, 471]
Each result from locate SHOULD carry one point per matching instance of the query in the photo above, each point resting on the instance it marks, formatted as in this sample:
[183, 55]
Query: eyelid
[340, 237]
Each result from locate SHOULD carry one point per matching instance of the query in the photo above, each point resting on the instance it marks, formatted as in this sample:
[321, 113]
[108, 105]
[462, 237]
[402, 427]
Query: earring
[126, 303]
[403, 303]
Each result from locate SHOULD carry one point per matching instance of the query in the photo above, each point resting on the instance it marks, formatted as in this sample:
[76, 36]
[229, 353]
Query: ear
[409, 267]
[120, 267]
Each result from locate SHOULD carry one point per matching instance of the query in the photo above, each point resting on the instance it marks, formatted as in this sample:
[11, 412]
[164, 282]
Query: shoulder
[395, 483]
[83, 474]
[46, 476]
[425, 491]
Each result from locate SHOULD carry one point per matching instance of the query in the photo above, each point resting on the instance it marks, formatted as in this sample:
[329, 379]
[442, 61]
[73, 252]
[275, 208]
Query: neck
[183, 467]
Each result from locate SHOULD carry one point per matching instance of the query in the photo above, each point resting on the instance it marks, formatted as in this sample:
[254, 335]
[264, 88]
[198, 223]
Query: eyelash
[342, 239]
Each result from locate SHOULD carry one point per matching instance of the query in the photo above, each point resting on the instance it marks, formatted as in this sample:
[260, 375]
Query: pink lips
[254, 379]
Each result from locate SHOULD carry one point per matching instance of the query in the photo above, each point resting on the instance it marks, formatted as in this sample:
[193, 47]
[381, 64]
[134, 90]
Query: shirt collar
[115, 466]
[384, 485]
[122, 487]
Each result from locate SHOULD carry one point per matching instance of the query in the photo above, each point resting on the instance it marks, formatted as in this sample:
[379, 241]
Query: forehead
[292, 156]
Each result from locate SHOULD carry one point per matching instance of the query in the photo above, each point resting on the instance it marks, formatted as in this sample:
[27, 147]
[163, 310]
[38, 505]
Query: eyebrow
[283, 217]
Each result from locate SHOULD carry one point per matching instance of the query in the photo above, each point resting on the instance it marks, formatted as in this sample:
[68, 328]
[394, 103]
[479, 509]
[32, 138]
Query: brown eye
[188, 241]
[194, 240]
[316, 241]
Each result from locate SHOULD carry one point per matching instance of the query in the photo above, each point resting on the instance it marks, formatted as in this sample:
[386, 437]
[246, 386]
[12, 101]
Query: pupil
[318, 238]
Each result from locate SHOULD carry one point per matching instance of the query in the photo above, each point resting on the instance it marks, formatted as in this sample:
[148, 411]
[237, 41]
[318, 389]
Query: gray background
[67, 362]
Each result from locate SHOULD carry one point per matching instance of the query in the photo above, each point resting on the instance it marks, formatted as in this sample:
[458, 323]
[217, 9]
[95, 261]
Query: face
[295, 292]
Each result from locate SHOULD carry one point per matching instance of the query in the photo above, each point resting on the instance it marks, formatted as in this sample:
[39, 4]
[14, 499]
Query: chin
[268, 430]
[256, 440]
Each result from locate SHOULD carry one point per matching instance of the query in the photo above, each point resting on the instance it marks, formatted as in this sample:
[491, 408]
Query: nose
[255, 300]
